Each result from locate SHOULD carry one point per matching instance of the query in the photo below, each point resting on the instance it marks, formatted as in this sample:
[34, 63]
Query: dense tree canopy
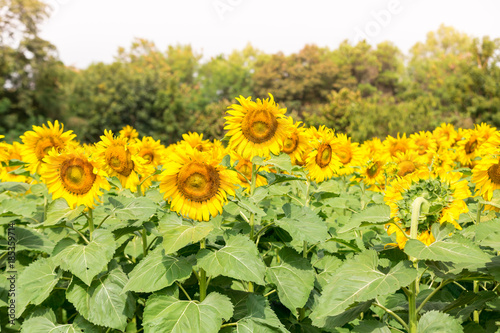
[360, 89]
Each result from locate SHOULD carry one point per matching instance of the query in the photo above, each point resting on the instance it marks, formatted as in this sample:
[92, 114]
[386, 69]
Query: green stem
[229, 325]
[304, 250]
[441, 285]
[202, 277]
[252, 190]
[479, 210]
[144, 242]
[412, 295]
[139, 192]
[91, 223]
[104, 219]
[44, 208]
[269, 293]
[392, 313]
[475, 314]
[183, 290]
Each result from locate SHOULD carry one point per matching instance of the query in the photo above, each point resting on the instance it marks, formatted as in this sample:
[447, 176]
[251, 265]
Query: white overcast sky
[87, 31]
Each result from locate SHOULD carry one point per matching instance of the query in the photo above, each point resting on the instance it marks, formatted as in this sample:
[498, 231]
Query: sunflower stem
[91, 223]
[479, 211]
[252, 190]
[202, 277]
[475, 314]
[44, 208]
[144, 242]
[412, 295]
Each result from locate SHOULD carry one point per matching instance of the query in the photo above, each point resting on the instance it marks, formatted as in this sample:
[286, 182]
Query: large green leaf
[36, 283]
[434, 321]
[239, 259]
[168, 314]
[103, 302]
[254, 314]
[32, 240]
[371, 326]
[44, 325]
[358, 280]
[372, 214]
[303, 224]
[140, 208]
[86, 261]
[456, 249]
[58, 210]
[178, 233]
[488, 233]
[157, 271]
[293, 277]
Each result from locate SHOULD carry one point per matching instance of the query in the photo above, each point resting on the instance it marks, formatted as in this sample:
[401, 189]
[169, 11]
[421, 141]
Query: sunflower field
[278, 227]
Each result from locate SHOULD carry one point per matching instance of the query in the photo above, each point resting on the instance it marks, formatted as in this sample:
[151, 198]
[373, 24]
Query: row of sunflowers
[271, 188]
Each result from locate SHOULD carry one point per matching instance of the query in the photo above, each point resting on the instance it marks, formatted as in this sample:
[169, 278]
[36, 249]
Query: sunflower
[445, 135]
[486, 175]
[129, 133]
[321, 162]
[72, 175]
[349, 153]
[4, 147]
[372, 174]
[443, 161]
[424, 144]
[121, 160]
[467, 148]
[195, 140]
[152, 153]
[407, 163]
[296, 143]
[195, 183]
[244, 168]
[392, 146]
[372, 148]
[37, 143]
[256, 128]
[13, 152]
[425, 237]
[445, 195]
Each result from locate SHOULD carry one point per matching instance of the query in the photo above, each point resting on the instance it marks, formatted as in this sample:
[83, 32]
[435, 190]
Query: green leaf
[103, 302]
[80, 323]
[36, 283]
[58, 210]
[140, 208]
[239, 259]
[456, 249]
[303, 224]
[488, 233]
[157, 271]
[28, 239]
[86, 261]
[44, 325]
[178, 233]
[168, 314]
[358, 280]
[293, 278]
[282, 161]
[372, 214]
[434, 321]
[371, 326]
[16, 187]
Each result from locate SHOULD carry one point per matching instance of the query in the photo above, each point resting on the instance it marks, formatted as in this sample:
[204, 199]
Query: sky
[87, 31]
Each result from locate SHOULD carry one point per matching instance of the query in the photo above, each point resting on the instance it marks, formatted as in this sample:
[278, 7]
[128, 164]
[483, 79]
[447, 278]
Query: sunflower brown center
[373, 170]
[147, 155]
[77, 175]
[406, 167]
[291, 143]
[344, 154]
[120, 160]
[494, 173]
[259, 126]
[44, 145]
[471, 146]
[398, 147]
[324, 155]
[198, 182]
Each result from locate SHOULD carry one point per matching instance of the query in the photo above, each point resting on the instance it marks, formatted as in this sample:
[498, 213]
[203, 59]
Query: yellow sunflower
[152, 153]
[372, 174]
[13, 152]
[129, 133]
[468, 147]
[486, 175]
[372, 148]
[349, 153]
[407, 163]
[195, 184]
[195, 140]
[424, 144]
[296, 143]
[321, 162]
[72, 175]
[244, 168]
[425, 237]
[443, 161]
[393, 146]
[4, 147]
[120, 159]
[445, 135]
[256, 128]
[37, 143]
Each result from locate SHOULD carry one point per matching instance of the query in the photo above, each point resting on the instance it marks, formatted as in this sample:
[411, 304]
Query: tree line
[362, 90]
